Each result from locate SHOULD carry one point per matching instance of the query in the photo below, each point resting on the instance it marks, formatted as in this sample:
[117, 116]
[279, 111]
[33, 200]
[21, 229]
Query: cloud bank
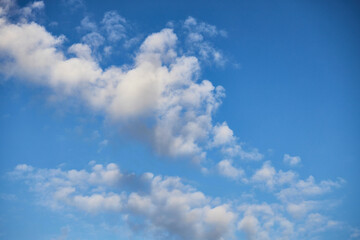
[164, 203]
[179, 211]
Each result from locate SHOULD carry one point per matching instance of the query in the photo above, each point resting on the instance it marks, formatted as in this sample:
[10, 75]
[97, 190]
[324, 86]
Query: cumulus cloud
[226, 169]
[222, 134]
[264, 221]
[292, 191]
[269, 221]
[271, 178]
[160, 85]
[162, 89]
[165, 203]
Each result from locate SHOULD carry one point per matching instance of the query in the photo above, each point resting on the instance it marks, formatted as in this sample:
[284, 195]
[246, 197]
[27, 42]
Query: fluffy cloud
[222, 134]
[164, 203]
[161, 85]
[271, 178]
[294, 193]
[226, 168]
[268, 221]
[299, 210]
[167, 205]
[264, 221]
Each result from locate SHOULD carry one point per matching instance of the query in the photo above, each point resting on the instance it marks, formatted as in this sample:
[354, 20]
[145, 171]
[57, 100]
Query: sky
[179, 120]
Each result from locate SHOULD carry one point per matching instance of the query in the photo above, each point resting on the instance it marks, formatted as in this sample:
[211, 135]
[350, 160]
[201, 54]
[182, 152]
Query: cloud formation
[161, 85]
[164, 203]
[177, 210]
[162, 89]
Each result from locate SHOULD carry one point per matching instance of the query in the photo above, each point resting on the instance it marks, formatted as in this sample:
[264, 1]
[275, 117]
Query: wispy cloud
[197, 33]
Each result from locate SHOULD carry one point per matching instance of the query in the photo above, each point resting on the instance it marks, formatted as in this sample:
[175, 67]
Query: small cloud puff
[291, 160]
[226, 169]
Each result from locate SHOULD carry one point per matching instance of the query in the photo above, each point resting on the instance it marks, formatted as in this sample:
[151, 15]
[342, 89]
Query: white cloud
[104, 39]
[5, 6]
[224, 137]
[114, 25]
[265, 174]
[226, 168]
[81, 51]
[268, 221]
[24, 168]
[222, 134]
[93, 39]
[291, 160]
[202, 27]
[164, 203]
[271, 178]
[299, 197]
[150, 87]
[308, 188]
[98, 202]
[30, 10]
[316, 222]
[235, 149]
[250, 225]
[299, 210]
[197, 43]
[160, 86]
[167, 205]
[264, 222]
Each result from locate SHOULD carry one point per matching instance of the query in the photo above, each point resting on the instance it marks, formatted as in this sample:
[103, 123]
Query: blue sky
[179, 120]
